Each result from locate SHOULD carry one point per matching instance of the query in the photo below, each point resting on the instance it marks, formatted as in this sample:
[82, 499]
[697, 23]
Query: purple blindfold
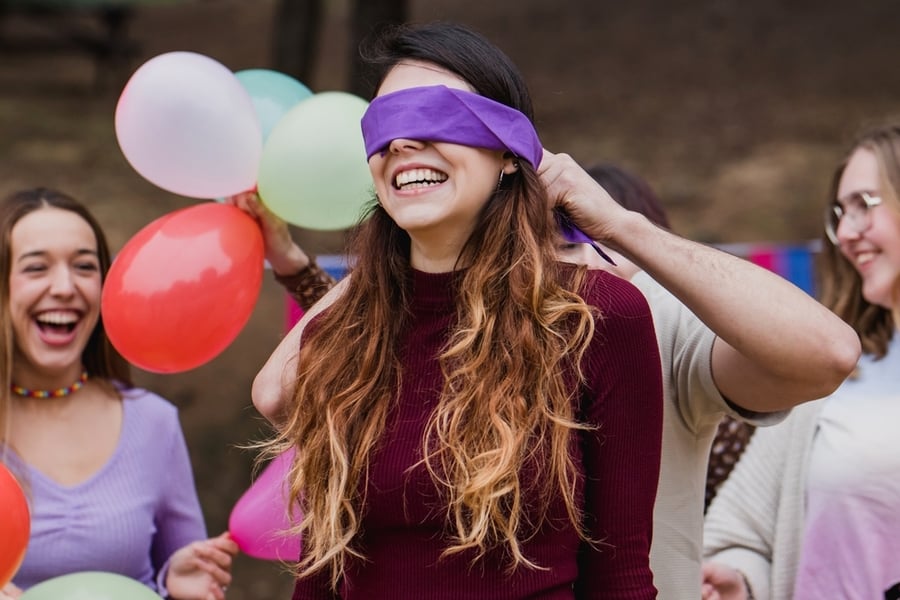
[441, 114]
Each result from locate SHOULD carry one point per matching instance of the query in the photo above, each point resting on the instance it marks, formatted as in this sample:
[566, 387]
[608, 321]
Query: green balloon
[313, 170]
[90, 585]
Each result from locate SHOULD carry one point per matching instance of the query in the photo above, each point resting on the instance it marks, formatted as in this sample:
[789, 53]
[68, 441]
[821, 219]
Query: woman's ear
[510, 163]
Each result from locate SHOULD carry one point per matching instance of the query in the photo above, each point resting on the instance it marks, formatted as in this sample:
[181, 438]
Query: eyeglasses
[854, 210]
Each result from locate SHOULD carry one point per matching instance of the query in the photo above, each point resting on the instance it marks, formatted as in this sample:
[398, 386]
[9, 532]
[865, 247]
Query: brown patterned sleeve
[308, 284]
[731, 439]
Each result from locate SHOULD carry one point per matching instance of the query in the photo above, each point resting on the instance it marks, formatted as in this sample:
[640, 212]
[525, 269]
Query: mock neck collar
[436, 290]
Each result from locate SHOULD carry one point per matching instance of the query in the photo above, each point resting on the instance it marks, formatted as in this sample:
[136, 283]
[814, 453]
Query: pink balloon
[260, 519]
[186, 123]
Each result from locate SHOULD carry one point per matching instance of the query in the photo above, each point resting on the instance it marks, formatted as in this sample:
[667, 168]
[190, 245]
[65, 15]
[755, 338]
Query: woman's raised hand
[282, 252]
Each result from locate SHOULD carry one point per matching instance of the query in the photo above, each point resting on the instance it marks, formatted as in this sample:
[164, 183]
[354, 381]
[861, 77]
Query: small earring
[500, 181]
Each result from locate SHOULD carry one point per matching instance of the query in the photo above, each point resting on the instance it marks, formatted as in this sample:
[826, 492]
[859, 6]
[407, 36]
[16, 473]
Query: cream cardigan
[755, 523]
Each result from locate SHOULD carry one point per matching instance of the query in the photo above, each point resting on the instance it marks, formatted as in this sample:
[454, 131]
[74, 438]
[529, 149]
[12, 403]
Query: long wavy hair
[519, 328]
[839, 282]
[100, 358]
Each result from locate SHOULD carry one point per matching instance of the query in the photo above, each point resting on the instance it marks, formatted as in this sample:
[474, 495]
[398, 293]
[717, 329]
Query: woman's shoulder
[613, 295]
[149, 406]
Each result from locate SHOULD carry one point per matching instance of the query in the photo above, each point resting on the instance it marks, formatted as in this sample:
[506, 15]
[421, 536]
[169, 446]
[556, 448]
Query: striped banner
[794, 262]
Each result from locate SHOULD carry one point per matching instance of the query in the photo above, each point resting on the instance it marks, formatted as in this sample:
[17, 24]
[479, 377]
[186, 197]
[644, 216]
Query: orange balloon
[183, 287]
[15, 525]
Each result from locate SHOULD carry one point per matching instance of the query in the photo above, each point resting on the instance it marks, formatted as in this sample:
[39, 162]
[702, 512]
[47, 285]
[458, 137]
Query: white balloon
[187, 125]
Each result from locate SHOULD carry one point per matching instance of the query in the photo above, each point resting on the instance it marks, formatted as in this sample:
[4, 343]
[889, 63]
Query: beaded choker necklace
[18, 390]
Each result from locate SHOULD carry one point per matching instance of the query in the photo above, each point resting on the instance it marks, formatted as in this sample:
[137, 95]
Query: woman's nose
[403, 144]
[847, 232]
[61, 282]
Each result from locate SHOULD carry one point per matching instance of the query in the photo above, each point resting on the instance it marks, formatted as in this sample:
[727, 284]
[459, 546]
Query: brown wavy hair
[839, 282]
[504, 402]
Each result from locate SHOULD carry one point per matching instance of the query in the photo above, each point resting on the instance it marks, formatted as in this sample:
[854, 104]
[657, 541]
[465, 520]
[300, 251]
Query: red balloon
[15, 525]
[183, 287]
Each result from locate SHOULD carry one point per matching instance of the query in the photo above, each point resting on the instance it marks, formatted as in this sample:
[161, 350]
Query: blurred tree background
[736, 112]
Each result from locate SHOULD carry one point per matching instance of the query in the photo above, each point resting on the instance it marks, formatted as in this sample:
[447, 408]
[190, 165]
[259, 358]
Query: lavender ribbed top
[127, 518]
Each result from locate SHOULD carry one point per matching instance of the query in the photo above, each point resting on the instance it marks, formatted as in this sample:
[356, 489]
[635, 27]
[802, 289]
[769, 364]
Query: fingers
[709, 592]
[722, 582]
[549, 169]
[244, 200]
[215, 561]
[561, 176]
[225, 542]
[217, 592]
[216, 557]
[213, 557]
[247, 201]
[252, 204]
[546, 160]
[283, 254]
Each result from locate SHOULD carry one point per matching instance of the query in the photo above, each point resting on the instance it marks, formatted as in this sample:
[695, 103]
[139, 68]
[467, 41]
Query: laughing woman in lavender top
[104, 464]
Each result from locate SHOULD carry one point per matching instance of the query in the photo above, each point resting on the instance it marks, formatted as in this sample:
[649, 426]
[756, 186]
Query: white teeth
[421, 177]
[57, 317]
[864, 257]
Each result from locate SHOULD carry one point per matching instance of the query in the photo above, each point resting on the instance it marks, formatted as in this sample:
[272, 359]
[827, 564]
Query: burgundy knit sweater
[404, 523]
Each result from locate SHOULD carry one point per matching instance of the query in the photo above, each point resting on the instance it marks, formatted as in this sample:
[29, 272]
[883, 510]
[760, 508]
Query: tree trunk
[297, 29]
[368, 17]
[296, 37]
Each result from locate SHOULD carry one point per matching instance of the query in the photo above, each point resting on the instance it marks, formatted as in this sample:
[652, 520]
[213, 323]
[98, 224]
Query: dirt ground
[734, 111]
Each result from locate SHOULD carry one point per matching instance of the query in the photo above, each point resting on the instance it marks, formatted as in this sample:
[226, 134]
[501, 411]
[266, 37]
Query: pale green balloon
[90, 585]
[313, 171]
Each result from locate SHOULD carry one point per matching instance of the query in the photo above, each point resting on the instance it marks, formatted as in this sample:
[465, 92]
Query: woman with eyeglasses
[810, 511]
